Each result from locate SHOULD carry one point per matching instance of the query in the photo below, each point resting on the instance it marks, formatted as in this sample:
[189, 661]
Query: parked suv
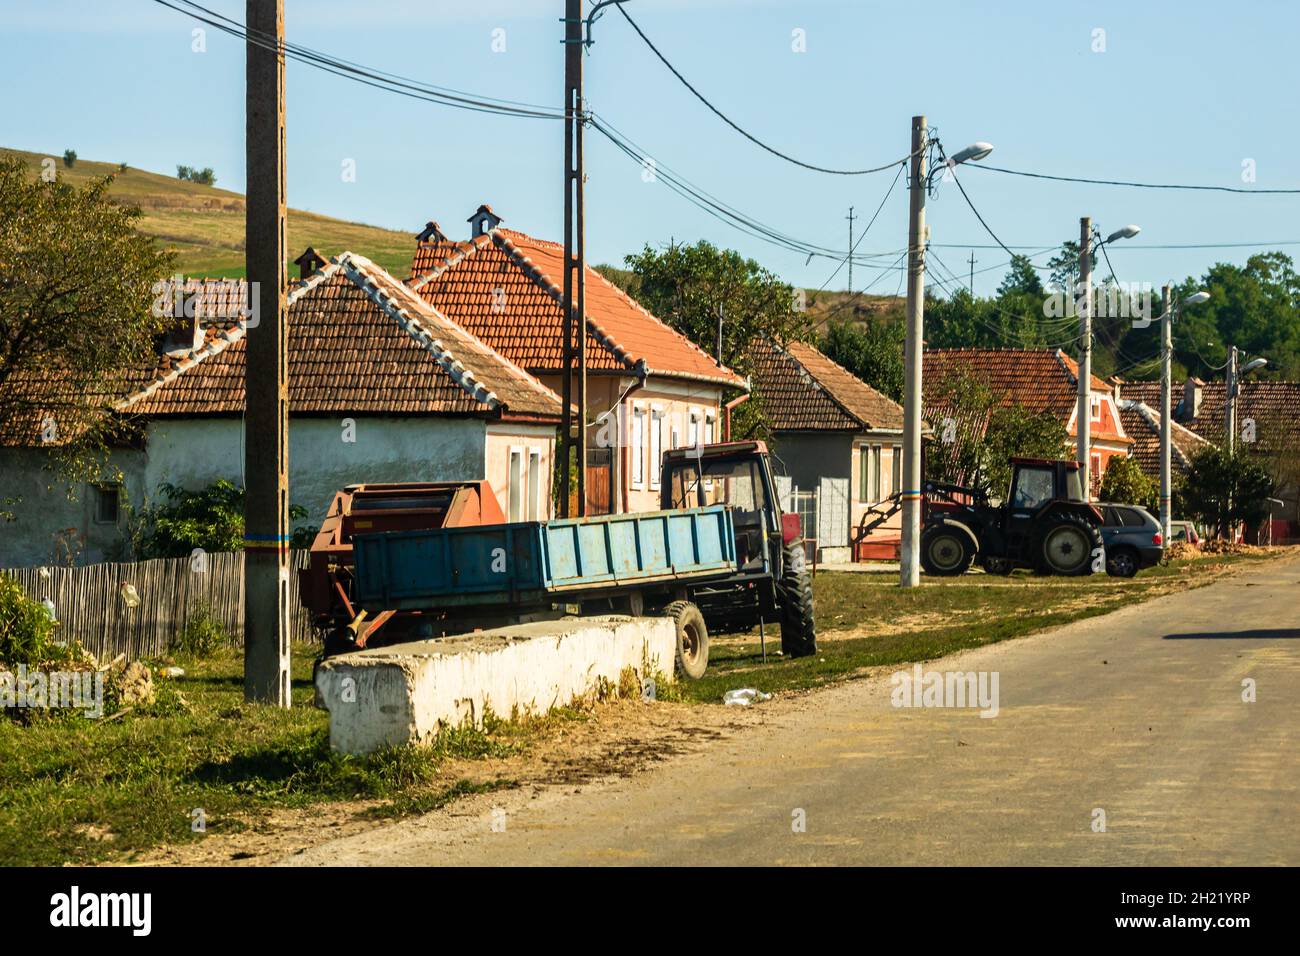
[1132, 539]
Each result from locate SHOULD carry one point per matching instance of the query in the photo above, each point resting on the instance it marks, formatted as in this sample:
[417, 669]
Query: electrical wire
[1117, 182]
[855, 245]
[749, 136]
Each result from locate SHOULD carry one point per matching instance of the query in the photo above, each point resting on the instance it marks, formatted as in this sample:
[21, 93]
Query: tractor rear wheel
[1067, 546]
[798, 629]
[692, 639]
[946, 551]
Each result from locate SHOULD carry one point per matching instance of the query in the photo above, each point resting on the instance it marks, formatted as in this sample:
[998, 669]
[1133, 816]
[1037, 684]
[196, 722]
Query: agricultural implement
[410, 562]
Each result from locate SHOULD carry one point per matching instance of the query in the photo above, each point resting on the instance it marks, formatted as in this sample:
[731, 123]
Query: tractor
[1045, 524]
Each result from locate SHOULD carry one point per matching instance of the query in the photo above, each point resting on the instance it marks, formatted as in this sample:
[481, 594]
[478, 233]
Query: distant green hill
[204, 225]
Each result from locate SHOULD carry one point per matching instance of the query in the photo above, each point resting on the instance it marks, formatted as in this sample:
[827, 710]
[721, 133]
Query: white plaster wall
[194, 452]
[45, 508]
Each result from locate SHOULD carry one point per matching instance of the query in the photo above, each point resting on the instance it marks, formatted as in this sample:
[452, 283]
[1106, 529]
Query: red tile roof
[800, 389]
[359, 342]
[1038, 379]
[1142, 423]
[506, 287]
[1274, 406]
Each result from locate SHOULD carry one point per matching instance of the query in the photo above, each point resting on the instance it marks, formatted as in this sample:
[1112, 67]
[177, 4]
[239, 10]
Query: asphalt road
[1139, 714]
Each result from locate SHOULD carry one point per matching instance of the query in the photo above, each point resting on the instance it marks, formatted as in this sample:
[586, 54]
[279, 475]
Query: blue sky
[1184, 92]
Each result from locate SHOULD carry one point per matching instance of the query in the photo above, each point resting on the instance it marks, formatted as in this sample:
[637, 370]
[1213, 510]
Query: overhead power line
[855, 245]
[1120, 182]
[741, 130]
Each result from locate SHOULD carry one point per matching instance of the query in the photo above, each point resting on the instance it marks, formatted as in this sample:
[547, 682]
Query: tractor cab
[1036, 481]
[734, 474]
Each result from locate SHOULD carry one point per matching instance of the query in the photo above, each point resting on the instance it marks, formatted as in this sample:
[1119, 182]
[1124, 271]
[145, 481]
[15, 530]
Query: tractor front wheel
[946, 551]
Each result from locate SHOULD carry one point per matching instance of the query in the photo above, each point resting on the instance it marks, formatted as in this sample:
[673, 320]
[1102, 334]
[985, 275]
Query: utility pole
[1166, 428]
[718, 355]
[973, 260]
[850, 217]
[575, 266]
[1230, 402]
[266, 369]
[1083, 426]
[910, 553]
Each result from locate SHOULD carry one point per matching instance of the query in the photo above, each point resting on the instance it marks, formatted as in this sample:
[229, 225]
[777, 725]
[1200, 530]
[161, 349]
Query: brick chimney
[483, 220]
[432, 233]
[184, 332]
[1190, 409]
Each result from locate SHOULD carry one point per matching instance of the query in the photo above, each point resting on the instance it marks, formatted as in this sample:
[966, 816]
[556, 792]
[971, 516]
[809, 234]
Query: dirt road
[1138, 716]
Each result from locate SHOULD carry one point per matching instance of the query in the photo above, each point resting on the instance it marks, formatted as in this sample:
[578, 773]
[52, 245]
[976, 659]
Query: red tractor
[1045, 524]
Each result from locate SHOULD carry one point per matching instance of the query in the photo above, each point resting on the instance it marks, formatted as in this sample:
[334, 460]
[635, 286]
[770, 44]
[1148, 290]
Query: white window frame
[1094, 408]
[636, 444]
[534, 483]
[515, 483]
[656, 444]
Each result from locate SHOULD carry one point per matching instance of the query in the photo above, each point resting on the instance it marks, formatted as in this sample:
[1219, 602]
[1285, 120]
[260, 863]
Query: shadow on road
[1259, 633]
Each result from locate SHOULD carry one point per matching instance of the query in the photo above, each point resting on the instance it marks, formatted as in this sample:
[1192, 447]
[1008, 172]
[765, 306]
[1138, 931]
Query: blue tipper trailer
[539, 563]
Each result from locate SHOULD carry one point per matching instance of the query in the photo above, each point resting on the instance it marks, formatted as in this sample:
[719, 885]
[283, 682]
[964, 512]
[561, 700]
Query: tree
[1223, 488]
[211, 519]
[1022, 279]
[69, 158]
[687, 285]
[978, 433]
[1126, 483]
[873, 351]
[75, 316]
[204, 177]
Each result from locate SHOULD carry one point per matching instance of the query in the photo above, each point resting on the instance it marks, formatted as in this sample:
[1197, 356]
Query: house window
[638, 447]
[534, 485]
[107, 503]
[896, 473]
[693, 429]
[656, 445]
[710, 418]
[1095, 408]
[516, 483]
[869, 475]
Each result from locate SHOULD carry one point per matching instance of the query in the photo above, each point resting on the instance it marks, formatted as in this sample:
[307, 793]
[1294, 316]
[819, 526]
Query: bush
[69, 158]
[26, 629]
[202, 635]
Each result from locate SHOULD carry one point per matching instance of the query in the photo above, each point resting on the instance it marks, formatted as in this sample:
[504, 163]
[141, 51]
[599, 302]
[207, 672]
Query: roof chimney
[1190, 409]
[483, 220]
[184, 333]
[309, 263]
[432, 233]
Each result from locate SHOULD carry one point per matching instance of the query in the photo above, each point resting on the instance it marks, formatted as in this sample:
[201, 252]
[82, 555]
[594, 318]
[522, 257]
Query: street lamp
[1083, 414]
[1166, 427]
[975, 152]
[1234, 386]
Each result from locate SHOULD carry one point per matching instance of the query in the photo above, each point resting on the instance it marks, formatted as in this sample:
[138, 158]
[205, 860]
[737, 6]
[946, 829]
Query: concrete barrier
[407, 693]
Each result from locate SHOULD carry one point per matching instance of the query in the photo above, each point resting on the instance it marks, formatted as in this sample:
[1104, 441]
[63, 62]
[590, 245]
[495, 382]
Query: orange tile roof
[800, 389]
[1274, 405]
[360, 342]
[1142, 422]
[506, 287]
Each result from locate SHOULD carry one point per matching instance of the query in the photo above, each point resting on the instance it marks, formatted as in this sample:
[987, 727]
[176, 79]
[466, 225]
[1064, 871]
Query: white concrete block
[407, 693]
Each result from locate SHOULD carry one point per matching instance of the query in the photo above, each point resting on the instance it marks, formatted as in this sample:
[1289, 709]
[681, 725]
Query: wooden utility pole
[910, 551]
[1083, 416]
[575, 262]
[266, 369]
[973, 260]
[1166, 384]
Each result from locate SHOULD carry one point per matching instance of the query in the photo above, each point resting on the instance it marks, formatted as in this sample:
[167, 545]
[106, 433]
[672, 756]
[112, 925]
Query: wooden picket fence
[91, 609]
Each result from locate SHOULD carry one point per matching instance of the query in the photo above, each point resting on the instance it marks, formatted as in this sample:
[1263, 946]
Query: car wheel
[1122, 563]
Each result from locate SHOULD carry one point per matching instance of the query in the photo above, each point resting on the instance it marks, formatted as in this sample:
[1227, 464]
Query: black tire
[1067, 545]
[692, 639]
[794, 590]
[946, 551]
[1122, 563]
[1001, 566]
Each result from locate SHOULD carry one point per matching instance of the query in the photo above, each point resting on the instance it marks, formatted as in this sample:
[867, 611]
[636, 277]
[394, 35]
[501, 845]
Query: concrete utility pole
[1230, 402]
[718, 356]
[910, 553]
[1166, 427]
[850, 217]
[266, 370]
[1083, 426]
[575, 265]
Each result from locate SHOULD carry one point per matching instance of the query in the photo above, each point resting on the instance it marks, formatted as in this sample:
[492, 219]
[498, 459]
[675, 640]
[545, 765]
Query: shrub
[69, 158]
[202, 635]
[26, 629]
